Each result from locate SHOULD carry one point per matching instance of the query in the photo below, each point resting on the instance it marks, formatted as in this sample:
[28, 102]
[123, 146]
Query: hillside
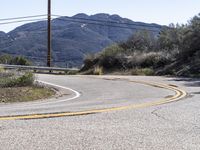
[72, 40]
[175, 51]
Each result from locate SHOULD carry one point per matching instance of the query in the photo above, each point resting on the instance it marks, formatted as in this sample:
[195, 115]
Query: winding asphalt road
[106, 112]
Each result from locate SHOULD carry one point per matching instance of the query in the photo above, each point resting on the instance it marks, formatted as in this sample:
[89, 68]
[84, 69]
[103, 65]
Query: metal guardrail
[36, 68]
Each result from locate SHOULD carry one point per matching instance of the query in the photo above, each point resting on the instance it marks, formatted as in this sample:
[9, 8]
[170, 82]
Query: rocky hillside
[72, 37]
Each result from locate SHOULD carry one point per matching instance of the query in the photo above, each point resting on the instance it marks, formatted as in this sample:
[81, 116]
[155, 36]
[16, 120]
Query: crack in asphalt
[155, 113]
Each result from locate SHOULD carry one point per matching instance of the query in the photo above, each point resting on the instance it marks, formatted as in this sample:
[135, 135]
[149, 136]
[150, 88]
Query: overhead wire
[27, 20]
[133, 26]
[86, 19]
[25, 17]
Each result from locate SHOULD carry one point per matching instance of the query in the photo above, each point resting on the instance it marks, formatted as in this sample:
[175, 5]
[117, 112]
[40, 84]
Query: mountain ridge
[72, 37]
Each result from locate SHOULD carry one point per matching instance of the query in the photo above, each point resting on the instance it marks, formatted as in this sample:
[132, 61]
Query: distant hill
[72, 37]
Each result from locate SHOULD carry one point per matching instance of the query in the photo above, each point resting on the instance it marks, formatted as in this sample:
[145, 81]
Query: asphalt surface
[174, 125]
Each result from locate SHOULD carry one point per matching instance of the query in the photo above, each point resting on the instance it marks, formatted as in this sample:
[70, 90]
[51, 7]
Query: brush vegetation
[18, 60]
[18, 86]
[174, 51]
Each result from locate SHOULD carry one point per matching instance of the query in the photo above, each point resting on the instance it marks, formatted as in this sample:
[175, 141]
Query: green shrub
[5, 59]
[168, 52]
[20, 60]
[26, 79]
[112, 50]
[16, 80]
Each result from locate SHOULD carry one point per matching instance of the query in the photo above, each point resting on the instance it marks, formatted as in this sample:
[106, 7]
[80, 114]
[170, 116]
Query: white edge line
[77, 94]
[36, 103]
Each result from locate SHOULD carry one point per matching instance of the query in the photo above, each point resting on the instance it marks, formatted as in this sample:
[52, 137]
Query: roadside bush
[19, 60]
[25, 80]
[109, 62]
[89, 62]
[175, 51]
[146, 60]
[9, 79]
[154, 60]
[5, 59]
[111, 51]
[110, 57]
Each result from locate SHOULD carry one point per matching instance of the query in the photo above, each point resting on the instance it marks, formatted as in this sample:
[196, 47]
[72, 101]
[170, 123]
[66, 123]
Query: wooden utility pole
[49, 35]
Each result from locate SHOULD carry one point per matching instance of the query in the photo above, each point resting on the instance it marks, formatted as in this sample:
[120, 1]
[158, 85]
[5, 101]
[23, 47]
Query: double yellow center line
[179, 94]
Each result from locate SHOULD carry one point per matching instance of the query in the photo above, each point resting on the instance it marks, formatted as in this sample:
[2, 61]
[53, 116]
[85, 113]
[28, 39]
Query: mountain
[72, 37]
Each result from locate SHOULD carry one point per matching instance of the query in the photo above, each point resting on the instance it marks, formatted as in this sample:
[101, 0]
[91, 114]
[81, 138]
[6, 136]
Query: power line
[85, 21]
[25, 17]
[27, 20]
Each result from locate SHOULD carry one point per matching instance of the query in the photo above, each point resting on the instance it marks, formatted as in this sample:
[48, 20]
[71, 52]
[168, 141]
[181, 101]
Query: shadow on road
[189, 82]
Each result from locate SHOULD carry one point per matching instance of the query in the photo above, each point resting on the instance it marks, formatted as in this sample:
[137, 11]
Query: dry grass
[98, 70]
[24, 94]
[142, 72]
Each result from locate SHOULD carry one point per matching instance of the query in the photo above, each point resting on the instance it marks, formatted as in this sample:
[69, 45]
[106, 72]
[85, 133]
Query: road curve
[36, 111]
[172, 125]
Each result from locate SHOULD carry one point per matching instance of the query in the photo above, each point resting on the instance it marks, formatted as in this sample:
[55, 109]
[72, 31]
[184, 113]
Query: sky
[162, 12]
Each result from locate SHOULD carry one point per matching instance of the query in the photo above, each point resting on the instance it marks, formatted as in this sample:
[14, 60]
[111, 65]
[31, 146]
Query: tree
[141, 40]
[191, 40]
[5, 59]
[170, 38]
[20, 60]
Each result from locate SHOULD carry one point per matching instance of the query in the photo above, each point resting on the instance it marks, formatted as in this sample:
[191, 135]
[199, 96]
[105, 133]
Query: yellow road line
[179, 95]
